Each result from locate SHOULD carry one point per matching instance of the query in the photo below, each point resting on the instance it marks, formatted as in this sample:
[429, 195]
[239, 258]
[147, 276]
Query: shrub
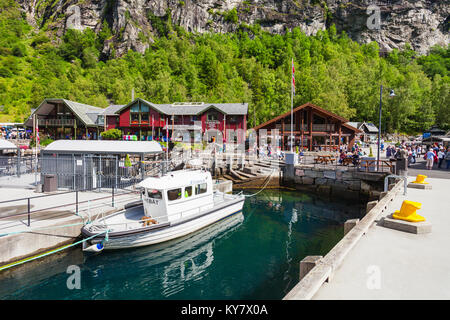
[112, 134]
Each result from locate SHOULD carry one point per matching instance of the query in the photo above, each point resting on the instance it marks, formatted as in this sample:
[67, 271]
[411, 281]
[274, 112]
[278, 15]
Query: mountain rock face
[134, 23]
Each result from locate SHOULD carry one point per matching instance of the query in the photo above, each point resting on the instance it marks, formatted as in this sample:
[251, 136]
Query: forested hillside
[248, 65]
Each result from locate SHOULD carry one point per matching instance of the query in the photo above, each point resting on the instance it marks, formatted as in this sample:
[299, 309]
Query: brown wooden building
[314, 128]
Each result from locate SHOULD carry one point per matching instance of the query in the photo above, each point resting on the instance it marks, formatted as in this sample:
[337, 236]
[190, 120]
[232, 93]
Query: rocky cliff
[134, 23]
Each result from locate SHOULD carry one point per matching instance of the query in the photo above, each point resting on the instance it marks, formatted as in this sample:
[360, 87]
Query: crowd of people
[13, 133]
[434, 155]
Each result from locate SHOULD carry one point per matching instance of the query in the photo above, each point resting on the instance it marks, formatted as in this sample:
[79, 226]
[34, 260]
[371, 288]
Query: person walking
[430, 159]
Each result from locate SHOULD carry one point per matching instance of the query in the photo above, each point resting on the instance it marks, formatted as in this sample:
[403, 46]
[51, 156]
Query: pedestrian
[441, 156]
[447, 158]
[430, 159]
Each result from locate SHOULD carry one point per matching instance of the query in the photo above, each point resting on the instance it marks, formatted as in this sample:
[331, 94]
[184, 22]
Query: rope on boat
[7, 266]
[266, 182]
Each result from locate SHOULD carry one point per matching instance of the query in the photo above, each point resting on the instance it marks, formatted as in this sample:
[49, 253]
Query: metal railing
[10, 166]
[42, 198]
[56, 122]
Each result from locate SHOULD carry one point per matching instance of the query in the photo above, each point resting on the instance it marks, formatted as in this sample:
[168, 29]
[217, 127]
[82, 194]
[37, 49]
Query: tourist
[409, 152]
[355, 158]
[342, 156]
[414, 155]
[447, 158]
[441, 156]
[388, 152]
[430, 159]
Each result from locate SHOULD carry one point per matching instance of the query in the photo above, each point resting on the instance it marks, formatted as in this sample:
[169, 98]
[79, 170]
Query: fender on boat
[98, 247]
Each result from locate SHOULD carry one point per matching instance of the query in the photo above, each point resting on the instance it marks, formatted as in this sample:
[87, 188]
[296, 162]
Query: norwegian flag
[37, 133]
[293, 77]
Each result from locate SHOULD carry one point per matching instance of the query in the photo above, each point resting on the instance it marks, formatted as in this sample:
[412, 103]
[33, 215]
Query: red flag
[38, 140]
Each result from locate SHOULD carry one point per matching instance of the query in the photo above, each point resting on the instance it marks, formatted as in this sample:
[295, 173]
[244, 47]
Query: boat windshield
[154, 194]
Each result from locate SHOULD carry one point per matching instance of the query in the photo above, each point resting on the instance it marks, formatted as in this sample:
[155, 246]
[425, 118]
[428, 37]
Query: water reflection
[251, 255]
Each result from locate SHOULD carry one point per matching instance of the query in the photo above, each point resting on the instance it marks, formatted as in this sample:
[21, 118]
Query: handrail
[76, 203]
[405, 182]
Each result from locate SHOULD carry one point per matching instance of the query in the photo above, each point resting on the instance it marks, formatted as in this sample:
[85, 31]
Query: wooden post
[282, 133]
[302, 128]
[310, 128]
[340, 133]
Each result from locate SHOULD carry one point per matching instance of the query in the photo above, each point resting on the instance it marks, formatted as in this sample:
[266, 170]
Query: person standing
[430, 159]
[441, 156]
[447, 158]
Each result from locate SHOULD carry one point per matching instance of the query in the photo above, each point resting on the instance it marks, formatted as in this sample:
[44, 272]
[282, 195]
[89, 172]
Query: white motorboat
[174, 205]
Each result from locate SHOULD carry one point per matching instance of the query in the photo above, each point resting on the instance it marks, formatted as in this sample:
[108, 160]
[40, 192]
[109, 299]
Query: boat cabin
[179, 194]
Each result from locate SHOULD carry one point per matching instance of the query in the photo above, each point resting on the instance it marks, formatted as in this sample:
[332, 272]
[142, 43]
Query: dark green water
[253, 255]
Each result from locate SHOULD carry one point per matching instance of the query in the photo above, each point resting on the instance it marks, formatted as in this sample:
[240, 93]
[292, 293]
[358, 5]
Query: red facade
[145, 120]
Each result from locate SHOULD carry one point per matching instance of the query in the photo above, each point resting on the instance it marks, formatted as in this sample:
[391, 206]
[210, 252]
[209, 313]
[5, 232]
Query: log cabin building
[314, 129]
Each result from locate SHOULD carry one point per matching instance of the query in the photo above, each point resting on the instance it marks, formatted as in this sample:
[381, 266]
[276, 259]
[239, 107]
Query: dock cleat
[407, 212]
[420, 179]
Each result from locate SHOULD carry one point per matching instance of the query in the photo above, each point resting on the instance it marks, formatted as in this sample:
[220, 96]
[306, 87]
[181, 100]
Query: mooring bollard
[307, 264]
[349, 224]
[370, 205]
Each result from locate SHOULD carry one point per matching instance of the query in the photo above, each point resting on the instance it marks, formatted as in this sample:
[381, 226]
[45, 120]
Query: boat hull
[158, 234]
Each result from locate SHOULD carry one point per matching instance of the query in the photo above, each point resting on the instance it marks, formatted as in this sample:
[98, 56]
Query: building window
[232, 119]
[212, 116]
[194, 118]
[139, 114]
[134, 114]
[101, 120]
[145, 114]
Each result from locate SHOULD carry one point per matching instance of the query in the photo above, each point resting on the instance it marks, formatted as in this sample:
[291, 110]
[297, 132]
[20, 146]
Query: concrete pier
[54, 220]
[385, 263]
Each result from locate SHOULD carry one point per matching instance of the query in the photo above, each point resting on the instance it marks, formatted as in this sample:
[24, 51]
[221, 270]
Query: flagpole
[292, 103]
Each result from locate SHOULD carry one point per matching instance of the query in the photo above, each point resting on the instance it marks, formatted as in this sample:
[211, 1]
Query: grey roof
[371, 127]
[86, 113]
[103, 147]
[6, 145]
[194, 108]
[111, 110]
[354, 124]
[83, 111]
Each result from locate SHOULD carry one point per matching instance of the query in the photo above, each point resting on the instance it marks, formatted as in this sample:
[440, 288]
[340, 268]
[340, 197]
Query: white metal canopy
[6, 145]
[104, 146]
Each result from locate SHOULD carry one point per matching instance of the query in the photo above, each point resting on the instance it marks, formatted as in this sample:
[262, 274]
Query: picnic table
[324, 159]
[347, 161]
[372, 163]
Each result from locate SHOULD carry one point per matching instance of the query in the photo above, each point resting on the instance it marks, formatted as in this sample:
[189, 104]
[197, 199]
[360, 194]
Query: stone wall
[336, 182]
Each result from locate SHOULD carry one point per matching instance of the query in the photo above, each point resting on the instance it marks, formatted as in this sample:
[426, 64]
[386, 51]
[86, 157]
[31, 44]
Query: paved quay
[54, 219]
[390, 264]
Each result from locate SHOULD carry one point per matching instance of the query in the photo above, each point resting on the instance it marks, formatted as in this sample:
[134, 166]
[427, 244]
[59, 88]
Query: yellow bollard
[420, 179]
[408, 212]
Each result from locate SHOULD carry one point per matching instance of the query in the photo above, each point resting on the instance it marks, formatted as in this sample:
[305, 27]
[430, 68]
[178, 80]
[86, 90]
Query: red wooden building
[146, 120]
[314, 128]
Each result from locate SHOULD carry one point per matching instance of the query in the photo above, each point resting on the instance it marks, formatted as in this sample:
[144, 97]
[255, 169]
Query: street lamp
[391, 94]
